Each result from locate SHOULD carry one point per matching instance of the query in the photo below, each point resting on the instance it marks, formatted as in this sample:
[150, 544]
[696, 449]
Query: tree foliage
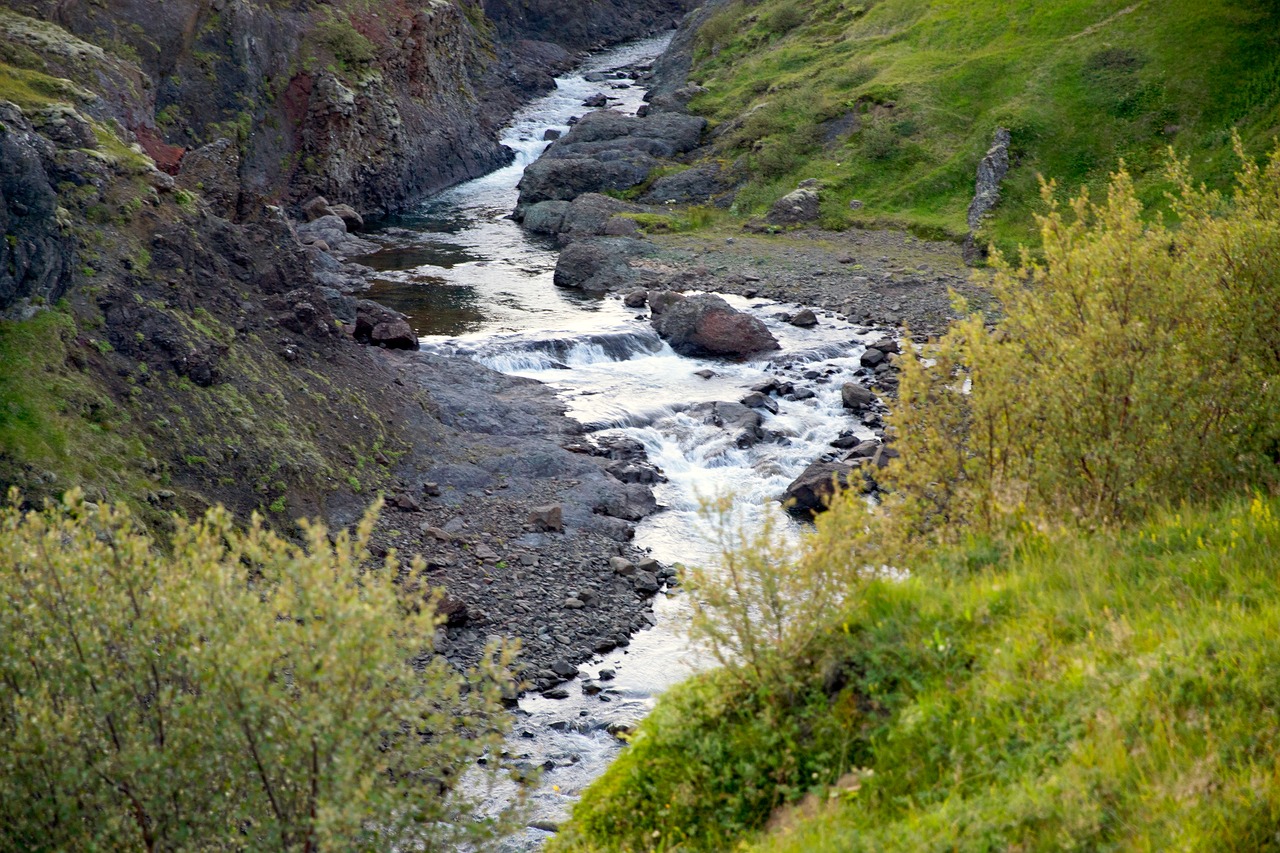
[235, 692]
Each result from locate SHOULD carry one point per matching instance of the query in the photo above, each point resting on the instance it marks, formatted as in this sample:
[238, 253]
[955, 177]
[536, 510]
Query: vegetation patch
[1078, 84]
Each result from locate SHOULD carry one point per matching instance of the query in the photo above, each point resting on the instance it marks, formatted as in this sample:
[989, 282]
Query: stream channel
[475, 285]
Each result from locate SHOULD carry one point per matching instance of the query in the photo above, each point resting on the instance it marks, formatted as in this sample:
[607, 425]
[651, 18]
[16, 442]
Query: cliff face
[373, 105]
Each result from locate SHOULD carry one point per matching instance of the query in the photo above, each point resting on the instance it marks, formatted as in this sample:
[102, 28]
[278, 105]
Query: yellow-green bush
[1134, 365]
[233, 692]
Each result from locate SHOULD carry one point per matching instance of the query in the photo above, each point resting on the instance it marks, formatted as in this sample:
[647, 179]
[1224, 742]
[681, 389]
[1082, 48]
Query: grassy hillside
[1105, 691]
[894, 102]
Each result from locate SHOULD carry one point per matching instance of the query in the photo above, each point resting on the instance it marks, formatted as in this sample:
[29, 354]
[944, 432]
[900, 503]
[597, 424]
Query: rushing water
[474, 284]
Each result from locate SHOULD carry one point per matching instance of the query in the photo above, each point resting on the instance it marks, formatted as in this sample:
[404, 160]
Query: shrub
[237, 692]
[1133, 366]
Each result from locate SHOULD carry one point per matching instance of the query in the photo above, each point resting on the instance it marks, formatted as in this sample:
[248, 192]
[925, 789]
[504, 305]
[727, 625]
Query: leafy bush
[1135, 365]
[236, 692]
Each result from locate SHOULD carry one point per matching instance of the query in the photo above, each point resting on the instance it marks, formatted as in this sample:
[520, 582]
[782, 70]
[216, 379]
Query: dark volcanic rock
[812, 491]
[35, 257]
[794, 208]
[381, 326]
[600, 264]
[698, 185]
[707, 325]
[854, 396]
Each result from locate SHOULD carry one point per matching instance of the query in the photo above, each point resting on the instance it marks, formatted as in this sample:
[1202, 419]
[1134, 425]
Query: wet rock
[795, 208]
[887, 345]
[661, 300]
[600, 264]
[864, 450]
[854, 396]
[804, 319]
[705, 374]
[756, 400]
[607, 674]
[596, 101]
[871, 357]
[707, 325]
[812, 491]
[645, 583]
[636, 299]
[564, 669]
[550, 134]
[556, 693]
[545, 217]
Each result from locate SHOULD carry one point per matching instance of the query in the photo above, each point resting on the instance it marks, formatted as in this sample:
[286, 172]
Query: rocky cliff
[373, 105]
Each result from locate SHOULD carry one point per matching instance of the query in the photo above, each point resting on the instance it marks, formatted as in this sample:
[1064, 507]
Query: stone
[661, 300]
[563, 669]
[556, 693]
[646, 583]
[795, 208]
[596, 101]
[864, 450]
[607, 674]
[407, 503]
[394, 334]
[545, 217]
[550, 135]
[573, 604]
[349, 215]
[854, 396]
[316, 208]
[548, 518]
[485, 553]
[636, 299]
[871, 357]
[600, 264]
[707, 325]
[213, 171]
[804, 319]
[622, 566]
[812, 491]
[756, 400]
[705, 373]
[887, 345]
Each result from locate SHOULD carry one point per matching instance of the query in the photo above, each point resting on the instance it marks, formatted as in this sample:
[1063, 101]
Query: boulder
[697, 185]
[590, 214]
[349, 215]
[317, 207]
[599, 264]
[636, 299]
[596, 101]
[381, 326]
[795, 208]
[855, 397]
[707, 325]
[871, 357]
[661, 300]
[804, 319]
[545, 217]
[812, 491]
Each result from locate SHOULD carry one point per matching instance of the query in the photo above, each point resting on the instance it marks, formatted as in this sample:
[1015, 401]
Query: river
[474, 284]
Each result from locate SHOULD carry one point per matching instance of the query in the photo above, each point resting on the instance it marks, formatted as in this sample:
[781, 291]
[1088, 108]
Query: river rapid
[475, 285]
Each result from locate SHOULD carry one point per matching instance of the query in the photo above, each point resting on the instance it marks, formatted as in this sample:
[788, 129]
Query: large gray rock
[856, 397]
[813, 490]
[698, 185]
[545, 217]
[707, 325]
[795, 208]
[606, 150]
[380, 326]
[600, 265]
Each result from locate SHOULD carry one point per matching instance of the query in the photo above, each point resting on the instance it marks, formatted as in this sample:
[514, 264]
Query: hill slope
[894, 102]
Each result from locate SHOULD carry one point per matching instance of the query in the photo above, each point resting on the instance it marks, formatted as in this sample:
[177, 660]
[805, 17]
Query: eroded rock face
[707, 325]
[36, 259]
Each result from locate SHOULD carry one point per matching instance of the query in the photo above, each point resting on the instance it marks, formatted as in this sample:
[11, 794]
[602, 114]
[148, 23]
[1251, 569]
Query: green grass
[1077, 691]
[1080, 83]
[52, 417]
